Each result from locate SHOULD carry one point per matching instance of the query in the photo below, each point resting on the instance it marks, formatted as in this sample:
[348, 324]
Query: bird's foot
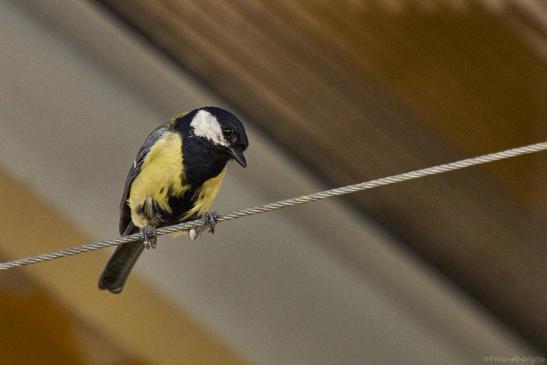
[149, 236]
[209, 223]
[210, 219]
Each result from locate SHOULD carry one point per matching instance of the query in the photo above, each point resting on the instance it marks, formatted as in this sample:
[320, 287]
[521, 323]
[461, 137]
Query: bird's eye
[228, 132]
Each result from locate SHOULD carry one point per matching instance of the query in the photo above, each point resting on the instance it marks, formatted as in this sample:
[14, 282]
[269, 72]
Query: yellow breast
[207, 195]
[161, 173]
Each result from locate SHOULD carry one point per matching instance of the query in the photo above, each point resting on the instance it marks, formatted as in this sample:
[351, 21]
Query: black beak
[238, 156]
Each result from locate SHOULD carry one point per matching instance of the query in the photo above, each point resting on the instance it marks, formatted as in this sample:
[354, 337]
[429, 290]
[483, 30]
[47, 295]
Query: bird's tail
[119, 266]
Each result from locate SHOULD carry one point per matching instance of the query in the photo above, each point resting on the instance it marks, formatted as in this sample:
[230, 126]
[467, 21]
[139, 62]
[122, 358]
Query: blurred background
[450, 269]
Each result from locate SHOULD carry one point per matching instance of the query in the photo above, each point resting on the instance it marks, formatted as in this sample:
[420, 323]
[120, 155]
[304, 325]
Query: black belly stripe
[182, 204]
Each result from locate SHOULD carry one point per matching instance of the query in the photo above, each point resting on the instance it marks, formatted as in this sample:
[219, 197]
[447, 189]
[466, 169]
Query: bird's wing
[125, 212]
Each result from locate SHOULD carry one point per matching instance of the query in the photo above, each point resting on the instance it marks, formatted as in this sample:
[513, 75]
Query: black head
[219, 128]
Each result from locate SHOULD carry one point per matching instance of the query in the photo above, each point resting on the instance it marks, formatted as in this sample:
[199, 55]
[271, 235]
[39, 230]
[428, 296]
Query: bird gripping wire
[434, 170]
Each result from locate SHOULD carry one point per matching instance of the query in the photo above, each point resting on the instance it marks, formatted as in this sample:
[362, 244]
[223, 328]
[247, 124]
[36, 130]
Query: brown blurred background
[448, 269]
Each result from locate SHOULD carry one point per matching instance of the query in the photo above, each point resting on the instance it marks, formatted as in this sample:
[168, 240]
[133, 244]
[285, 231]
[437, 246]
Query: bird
[175, 178]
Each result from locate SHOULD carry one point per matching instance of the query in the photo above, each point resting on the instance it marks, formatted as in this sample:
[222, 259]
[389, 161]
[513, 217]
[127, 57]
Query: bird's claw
[209, 223]
[149, 236]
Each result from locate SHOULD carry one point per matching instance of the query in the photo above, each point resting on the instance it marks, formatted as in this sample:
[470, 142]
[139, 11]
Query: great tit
[175, 178]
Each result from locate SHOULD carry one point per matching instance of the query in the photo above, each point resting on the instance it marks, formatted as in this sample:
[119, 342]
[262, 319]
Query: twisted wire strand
[348, 189]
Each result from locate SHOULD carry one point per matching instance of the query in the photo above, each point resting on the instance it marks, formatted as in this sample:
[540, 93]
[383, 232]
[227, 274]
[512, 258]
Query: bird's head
[222, 130]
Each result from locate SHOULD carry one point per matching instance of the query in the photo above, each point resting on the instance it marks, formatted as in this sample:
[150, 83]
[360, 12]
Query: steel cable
[434, 170]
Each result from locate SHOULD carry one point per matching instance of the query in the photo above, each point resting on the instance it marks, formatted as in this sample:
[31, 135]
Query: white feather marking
[206, 125]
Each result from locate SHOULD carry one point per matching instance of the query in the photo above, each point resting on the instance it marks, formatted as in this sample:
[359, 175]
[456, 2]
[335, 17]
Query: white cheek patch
[206, 125]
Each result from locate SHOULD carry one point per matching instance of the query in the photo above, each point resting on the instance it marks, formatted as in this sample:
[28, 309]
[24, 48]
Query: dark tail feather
[119, 266]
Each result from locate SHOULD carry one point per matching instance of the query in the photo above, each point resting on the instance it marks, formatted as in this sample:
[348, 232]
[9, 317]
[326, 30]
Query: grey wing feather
[125, 212]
